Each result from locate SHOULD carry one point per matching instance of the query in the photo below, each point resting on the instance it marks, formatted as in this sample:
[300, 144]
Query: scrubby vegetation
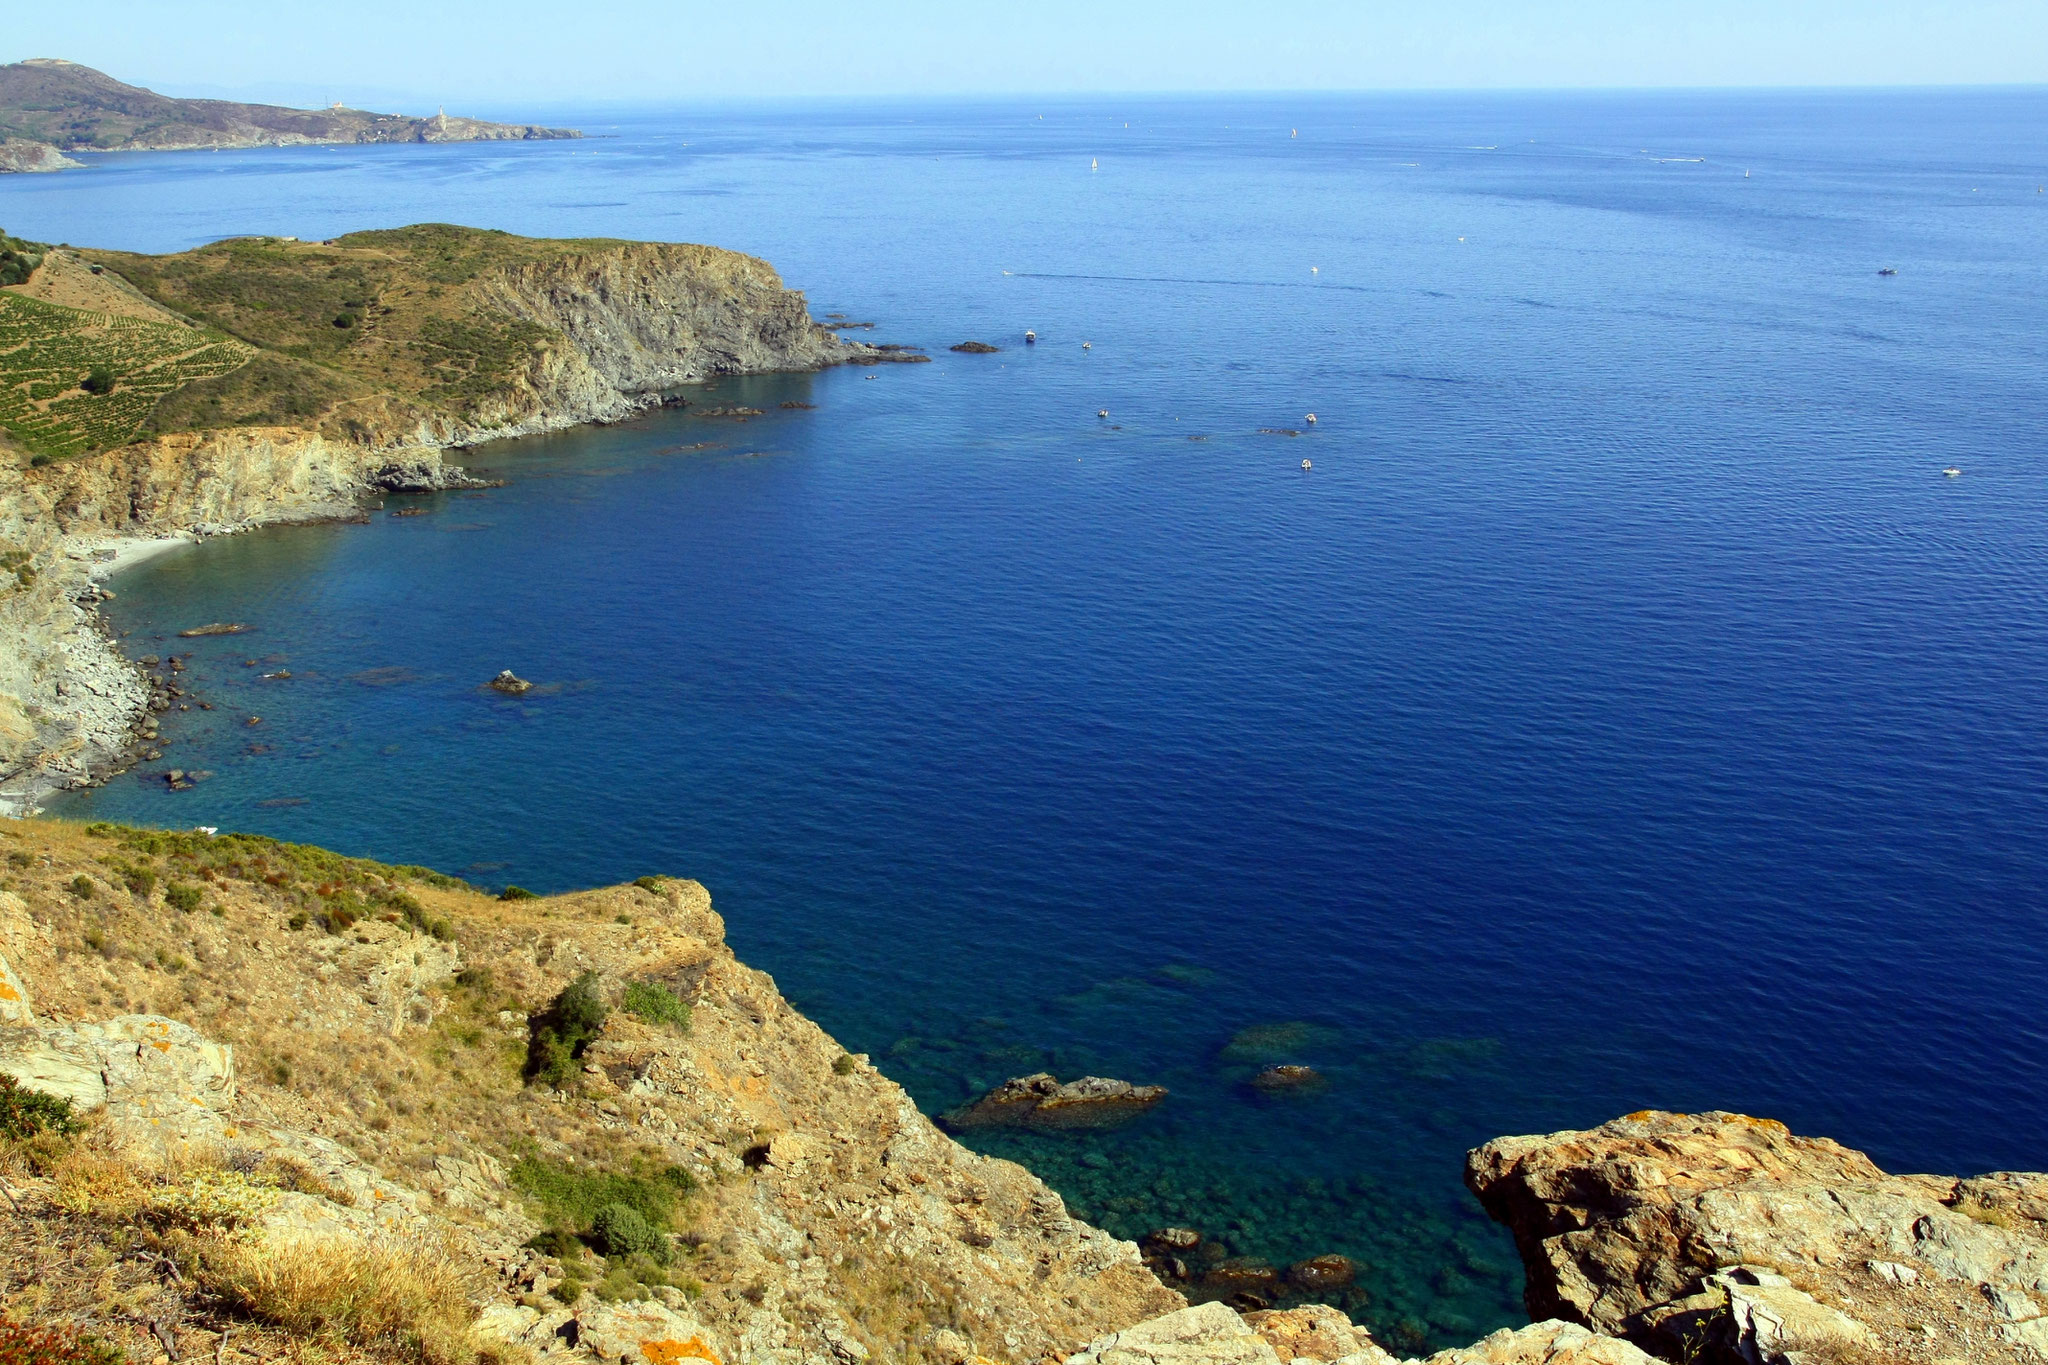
[563, 1030]
[18, 260]
[627, 1215]
[655, 1004]
[26, 1114]
[73, 381]
[336, 892]
[362, 329]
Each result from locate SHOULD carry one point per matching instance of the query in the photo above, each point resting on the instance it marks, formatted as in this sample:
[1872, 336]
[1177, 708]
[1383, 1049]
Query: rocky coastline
[627, 323]
[231, 1027]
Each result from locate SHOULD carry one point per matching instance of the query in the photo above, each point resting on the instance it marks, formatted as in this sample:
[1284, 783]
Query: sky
[520, 53]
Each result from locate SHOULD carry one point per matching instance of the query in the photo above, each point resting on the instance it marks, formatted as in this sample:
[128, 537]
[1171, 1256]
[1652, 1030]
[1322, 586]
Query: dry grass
[408, 1298]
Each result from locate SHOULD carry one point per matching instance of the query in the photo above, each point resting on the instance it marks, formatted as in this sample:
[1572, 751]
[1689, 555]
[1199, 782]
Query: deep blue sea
[1624, 711]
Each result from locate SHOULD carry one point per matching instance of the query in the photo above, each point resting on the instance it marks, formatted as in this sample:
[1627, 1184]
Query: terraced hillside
[74, 380]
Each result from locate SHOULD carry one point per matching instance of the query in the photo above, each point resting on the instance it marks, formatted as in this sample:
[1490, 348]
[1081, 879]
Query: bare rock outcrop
[1722, 1238]
[19, 154]
[1041, 1101]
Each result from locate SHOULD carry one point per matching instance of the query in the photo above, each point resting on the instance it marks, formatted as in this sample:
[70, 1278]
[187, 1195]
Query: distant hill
[73, 108]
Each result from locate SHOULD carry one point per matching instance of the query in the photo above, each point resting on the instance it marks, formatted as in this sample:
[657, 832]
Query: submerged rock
[977, 348]
[1321, 1273]
[1040, 1101]
[1287, 1077]
[215, 628]
[510, 683]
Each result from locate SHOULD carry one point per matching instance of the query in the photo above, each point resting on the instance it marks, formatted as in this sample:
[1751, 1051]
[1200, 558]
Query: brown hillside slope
[379, 1020]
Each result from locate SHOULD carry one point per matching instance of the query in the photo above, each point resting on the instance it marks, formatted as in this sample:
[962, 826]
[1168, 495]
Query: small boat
[1310, 419]
[1031, 338]
[1103, 412]
[1953, 472]
[1093, 164]
[1306, 465]
[1887, 270]
[1315, 270]
[1087, 345]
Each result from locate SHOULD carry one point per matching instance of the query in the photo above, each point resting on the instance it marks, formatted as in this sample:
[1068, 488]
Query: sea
[1628, 690]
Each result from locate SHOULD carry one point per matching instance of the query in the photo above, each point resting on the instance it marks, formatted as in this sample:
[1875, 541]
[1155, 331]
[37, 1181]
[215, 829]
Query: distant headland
[49, 107]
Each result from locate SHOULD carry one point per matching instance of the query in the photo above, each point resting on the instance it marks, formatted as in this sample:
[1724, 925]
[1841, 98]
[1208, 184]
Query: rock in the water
[1319, 1274]
[1287, 1077]
[1040, 1101]
[1733, 1239]
[510, 683]
[1209, 1334]
[1545, 1343]
[216, 628]
[977, 348]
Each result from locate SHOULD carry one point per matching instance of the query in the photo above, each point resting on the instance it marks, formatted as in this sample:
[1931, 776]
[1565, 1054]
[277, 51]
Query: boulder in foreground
[1720, 1238]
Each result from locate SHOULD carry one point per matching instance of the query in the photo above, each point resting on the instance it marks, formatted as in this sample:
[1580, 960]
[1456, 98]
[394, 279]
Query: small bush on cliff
[655, 1004]
[570, 1197]
[26, 1113]
[182, 896]
[621, 1230]
[516, 893]
[100, 379]
[560, 1033]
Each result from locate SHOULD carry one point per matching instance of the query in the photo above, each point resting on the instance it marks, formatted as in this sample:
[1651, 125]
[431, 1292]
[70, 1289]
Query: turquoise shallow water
[1623, 711]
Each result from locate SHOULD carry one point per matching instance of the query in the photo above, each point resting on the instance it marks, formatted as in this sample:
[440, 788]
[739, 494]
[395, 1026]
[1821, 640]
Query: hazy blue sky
[520, 52]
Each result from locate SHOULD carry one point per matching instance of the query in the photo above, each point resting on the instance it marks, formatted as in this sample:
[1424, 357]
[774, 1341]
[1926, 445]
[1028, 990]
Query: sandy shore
[110, 556]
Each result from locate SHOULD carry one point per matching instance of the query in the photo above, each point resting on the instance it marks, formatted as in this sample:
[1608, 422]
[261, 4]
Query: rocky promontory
[316, 374]
[55, 106]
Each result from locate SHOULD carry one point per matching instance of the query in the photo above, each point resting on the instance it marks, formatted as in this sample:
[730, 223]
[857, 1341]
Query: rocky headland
[327, 373]
[49, 106]
[312, 1103]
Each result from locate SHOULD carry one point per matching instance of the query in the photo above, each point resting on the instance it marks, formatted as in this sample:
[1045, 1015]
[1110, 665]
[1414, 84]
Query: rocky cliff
[350, 1048]
[1719, 1238]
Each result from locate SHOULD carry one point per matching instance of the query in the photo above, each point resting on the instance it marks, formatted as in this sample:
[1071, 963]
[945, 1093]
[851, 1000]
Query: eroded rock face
[1040, 1101]
[1732, 1239]
[1208, 1334]
[1316, 1332]
[1545, 1343]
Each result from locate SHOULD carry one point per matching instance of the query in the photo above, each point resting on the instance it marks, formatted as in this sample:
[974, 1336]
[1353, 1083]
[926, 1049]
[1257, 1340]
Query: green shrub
[25, 1113]
[82, 887]
[100, 379]
[140, 880]
[561, 1032]
[650, 883]
[344, 320]
[570, 1196]
[186, 897]
[655, 1004]
[622, 1230]
[844, 1065]
[516, 893]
